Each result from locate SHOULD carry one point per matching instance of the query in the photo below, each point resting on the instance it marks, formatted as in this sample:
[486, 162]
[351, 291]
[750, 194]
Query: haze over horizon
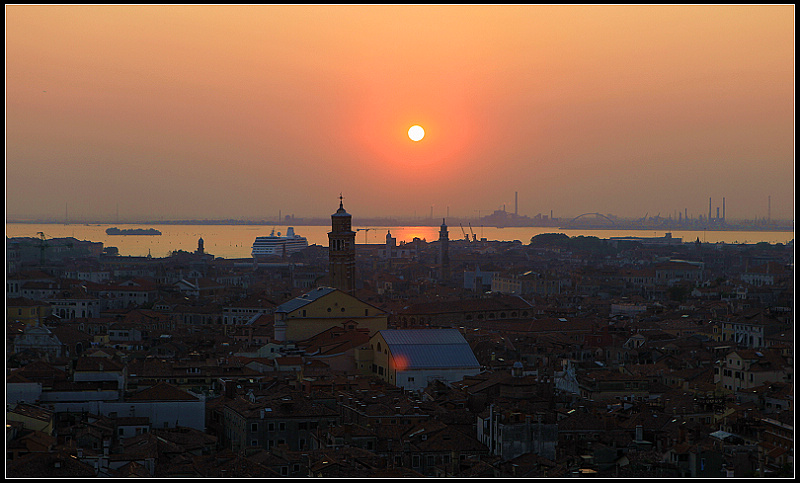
[244, 112]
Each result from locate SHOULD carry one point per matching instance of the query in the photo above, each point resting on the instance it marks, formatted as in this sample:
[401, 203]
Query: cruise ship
[277, 245]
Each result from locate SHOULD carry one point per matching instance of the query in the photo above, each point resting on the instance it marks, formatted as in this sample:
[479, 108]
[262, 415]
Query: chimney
[229, 388]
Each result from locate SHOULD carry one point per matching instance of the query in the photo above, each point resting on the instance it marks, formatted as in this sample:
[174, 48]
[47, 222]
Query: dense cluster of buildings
[555, 358]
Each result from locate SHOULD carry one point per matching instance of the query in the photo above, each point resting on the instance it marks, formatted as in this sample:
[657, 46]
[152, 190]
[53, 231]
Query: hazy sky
[168, 112]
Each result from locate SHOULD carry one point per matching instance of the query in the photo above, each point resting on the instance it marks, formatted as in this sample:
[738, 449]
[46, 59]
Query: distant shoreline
[780, 226]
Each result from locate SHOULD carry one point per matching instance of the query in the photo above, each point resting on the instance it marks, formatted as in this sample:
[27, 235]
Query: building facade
[413, 358]
[321, 309]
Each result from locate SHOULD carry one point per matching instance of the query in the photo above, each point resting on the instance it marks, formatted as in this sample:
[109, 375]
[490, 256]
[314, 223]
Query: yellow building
[32, 417]
[31, 312]
[321, 309]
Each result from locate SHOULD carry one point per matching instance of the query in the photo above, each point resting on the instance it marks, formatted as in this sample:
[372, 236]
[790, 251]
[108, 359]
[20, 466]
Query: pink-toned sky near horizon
[174, 112]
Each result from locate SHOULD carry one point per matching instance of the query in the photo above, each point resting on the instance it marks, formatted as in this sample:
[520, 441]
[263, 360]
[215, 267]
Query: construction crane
[474, 238]
[466, 237]
[365, 230]
[43, 245]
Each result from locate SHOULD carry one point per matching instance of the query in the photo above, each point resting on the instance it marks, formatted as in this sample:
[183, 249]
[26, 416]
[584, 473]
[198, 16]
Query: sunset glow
[216, 111]
[400, 363]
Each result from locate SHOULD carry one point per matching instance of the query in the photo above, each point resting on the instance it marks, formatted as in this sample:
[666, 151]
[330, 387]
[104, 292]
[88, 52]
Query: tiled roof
[33, 412]
[23, 302]
[98, 364]
[162, 391]
[505, 302]
[48, 465]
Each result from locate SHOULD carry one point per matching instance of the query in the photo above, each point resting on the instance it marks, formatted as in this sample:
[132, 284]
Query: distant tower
[723, 210]
[391, 245]
[444, 252]
[200, 249]
[342, 251]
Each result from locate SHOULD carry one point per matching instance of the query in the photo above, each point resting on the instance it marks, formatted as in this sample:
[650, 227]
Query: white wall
[423, 376]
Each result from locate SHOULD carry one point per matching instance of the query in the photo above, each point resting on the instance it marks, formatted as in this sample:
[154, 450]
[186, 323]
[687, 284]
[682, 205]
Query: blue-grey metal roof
[429, 349]
[304, 299]
[423, 336]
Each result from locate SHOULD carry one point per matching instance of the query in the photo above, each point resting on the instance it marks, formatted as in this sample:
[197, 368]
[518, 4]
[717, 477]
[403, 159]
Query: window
[254, 427]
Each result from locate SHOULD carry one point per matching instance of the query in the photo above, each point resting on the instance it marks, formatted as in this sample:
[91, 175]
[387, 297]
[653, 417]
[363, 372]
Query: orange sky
[168, 112]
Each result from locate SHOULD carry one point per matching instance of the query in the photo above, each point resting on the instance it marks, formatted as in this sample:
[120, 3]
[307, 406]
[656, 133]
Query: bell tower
[444, 252]
[342, 251]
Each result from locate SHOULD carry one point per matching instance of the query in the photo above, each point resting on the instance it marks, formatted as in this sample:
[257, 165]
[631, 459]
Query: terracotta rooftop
[163, 391]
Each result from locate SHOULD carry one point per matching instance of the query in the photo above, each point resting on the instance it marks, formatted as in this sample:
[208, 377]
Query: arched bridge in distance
[593, 219]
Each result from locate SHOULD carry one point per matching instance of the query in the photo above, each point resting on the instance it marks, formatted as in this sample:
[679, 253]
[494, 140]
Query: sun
[416, 133]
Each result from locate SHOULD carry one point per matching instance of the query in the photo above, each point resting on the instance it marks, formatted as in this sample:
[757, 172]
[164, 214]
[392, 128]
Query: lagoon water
[235, 241]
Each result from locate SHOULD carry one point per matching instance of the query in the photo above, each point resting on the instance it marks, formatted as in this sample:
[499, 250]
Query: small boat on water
[132, 231]
[277, 245]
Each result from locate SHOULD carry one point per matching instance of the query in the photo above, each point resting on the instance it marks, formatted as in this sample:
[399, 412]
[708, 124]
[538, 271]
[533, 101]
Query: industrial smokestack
[709, 209]
[723, 209]
[769, 208]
